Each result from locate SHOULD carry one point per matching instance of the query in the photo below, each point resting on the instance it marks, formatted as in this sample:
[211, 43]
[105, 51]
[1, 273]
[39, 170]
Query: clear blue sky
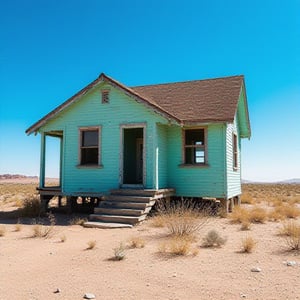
[51, 49]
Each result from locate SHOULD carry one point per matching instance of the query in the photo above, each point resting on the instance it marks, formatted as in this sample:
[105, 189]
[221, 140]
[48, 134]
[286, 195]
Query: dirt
[34, 268]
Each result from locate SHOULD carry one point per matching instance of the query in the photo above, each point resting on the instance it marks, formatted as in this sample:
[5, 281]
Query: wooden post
[42, 161]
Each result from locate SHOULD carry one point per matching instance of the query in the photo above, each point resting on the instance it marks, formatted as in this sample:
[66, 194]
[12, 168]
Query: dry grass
[246, 225]
[63, 238]
[91, 244]
[136, 242]
[158, 221]
[213, 239]
[177, 246]
[31, 207]
[248, 244]
[78, 221]
[239, 215]
[119, 252]
[247, 198]
[258, 215]
[18, 227]
[291, 231]
[2, 230]
[40, 230]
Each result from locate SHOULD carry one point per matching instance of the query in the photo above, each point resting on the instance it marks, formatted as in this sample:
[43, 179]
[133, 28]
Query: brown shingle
[196, 101]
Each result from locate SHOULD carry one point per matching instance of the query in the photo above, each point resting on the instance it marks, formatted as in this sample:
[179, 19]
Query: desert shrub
[119, 252]
[77, 221]
[248, 244]
[182, 219]
[284, 211]
[293, 235]
[239, 215]
[247, 198]
[246, 225]
[31, 206]
[136, 242]
[177, 246]
[213, 239]
[44, 231]
[257, 215]
[2, 230]
[275, 215]
[18, 226]
[91, 244]
[158, 221]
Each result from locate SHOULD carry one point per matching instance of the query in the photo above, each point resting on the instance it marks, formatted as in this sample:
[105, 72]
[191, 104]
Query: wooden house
[180, 139]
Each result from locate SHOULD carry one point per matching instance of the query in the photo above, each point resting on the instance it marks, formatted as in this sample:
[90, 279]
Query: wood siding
[233, 174]
[90, 111]
[197, 181]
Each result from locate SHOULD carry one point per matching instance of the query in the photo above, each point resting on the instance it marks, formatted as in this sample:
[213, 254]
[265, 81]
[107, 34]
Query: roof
[198, 101]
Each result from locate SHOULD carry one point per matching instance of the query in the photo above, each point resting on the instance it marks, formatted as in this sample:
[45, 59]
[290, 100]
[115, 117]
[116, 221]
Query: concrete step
[105, 225]
[118, 211]
[118, 219]
[127, 198]
[132, 205]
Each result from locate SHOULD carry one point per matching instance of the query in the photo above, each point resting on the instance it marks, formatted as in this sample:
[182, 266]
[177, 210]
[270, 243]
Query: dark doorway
[133, 155]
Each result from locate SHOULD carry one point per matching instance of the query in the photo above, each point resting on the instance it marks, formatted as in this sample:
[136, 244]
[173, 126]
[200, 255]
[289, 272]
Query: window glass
[90, 138]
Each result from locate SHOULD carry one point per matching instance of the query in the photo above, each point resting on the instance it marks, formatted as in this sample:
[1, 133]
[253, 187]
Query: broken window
[194, 146]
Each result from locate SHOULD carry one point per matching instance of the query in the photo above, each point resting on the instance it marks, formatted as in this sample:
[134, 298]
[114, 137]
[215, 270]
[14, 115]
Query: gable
[185, 103]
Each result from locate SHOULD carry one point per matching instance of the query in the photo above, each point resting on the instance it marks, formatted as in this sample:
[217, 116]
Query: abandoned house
[129, 146]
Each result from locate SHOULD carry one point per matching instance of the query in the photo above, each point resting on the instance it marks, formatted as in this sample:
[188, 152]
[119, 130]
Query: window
[194, 146]
[235, 151]
[105, 96]
[89, 146]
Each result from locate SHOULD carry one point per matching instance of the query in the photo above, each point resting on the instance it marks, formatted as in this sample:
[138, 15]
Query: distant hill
[287, 181]
[15, 176]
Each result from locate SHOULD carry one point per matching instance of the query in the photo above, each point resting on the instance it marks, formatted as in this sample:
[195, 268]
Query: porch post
[156, 169]
[42, 160]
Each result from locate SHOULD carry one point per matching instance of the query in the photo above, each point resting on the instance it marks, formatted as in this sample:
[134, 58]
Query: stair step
[118, 211]
[133, 205]
[133, 192]
[118, 218]
[128, 198]
[105, 225]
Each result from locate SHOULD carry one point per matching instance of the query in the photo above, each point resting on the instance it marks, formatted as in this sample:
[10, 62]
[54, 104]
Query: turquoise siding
[205, 181]
[233, 175]
[163, 148]
[89, 111]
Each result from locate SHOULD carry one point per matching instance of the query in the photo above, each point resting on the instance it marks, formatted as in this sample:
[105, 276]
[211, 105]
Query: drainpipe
[42, 160]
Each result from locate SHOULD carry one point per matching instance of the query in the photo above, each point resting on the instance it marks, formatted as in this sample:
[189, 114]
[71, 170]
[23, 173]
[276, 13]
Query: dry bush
[284, 211]
[136, 242]
[18, 226]
[91, 245]
[257, 215]
[2, 230]
[177, 246]
[158, 221]
[44, 231]
[247, 198]
[239, 215]
[248, 244]
[78, 221]
[31, 206]
[213, 239]
[119, 252]
[246, 225]
[293, 237]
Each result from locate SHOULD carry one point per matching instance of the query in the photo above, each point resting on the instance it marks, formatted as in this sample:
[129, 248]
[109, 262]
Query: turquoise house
[183, 137]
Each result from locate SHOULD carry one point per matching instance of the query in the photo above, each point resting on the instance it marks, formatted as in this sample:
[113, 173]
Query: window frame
[235, 152]
[80, 147]
[203, 147]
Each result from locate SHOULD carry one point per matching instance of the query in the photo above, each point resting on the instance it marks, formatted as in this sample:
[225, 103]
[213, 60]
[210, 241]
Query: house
[183, 138]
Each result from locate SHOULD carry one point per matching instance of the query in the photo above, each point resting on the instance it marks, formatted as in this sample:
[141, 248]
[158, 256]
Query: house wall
[198, 181]
[89, 111]
[233, 175]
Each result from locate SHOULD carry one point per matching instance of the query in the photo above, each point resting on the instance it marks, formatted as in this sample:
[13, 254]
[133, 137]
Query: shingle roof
[196, 101]
[199, 101]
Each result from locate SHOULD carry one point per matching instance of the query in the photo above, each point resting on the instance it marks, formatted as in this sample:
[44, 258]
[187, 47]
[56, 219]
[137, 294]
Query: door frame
[121, 167]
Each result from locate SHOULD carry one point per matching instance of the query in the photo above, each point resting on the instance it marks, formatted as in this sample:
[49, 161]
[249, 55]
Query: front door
[133, 154]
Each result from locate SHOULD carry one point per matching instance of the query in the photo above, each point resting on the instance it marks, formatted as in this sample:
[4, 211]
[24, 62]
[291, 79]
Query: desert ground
[64, 261]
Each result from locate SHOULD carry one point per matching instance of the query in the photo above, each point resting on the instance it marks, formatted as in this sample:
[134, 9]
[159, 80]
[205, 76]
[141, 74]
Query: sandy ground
[33, 268]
